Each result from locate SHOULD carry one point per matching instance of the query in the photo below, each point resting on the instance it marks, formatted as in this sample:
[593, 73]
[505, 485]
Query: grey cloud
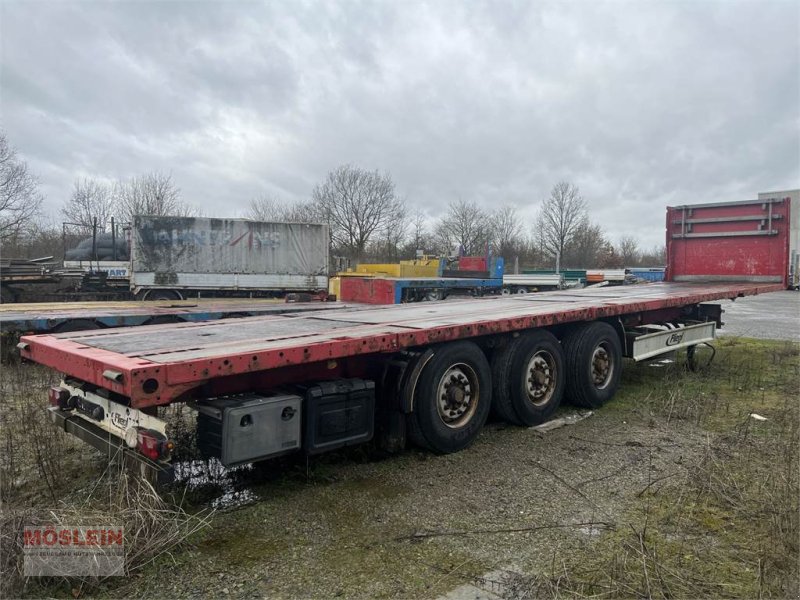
[640, 104]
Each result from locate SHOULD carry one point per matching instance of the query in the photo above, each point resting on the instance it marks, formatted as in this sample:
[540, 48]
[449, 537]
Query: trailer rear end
[746, 241]
[425, 373]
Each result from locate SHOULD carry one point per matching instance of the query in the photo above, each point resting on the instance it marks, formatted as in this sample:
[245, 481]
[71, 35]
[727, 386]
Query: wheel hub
[456, 397]
[540, 380]
[602, 366]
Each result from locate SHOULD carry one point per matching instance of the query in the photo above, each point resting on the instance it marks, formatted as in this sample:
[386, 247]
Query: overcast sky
[640, 104]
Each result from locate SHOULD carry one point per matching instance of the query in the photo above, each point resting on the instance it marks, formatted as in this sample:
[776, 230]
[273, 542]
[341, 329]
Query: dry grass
[727, 527]
[153, 528]
[37, 460]
[49, 477]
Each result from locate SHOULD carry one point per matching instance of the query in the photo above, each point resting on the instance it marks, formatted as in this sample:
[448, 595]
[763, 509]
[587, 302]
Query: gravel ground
[419, 525]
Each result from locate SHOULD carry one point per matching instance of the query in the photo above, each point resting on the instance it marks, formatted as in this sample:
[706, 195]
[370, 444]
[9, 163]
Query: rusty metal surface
[183, 356]
[40, 317]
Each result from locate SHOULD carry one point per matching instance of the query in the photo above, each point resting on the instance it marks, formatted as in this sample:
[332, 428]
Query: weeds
[36, 457]
[42, 468]
[153, 527]
[728, 525]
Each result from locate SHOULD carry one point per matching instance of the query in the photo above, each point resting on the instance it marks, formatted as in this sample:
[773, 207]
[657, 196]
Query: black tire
[163, 295]
[528, 379]
[444, 420]
[593, 357]
[76, 325]
[501, 399]
[414, 432]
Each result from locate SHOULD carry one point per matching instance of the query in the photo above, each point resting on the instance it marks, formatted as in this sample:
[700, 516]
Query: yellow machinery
[406, 269]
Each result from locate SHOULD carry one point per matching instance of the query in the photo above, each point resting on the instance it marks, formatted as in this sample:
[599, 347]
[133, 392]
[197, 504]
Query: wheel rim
[602, 366]
[540, 378]
[457, 395]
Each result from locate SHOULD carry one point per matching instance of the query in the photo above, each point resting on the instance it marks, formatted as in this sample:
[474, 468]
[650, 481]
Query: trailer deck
[157, 365]
[41, 317]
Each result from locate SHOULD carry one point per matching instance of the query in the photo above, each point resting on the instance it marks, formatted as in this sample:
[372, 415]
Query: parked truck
[428, 373]
[170, 258]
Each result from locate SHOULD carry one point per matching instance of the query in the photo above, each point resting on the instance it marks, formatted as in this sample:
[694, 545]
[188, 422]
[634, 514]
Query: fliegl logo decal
[674, 339]
[120, 420]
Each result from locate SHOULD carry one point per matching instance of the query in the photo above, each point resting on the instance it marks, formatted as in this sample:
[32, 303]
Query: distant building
[794, 231]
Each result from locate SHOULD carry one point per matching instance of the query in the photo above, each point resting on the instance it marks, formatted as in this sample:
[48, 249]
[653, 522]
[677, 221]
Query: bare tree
[267, 208]
[42, 238]
[419, 239]
[151, 194]
[585, 250]
[560, 216]
[90, 200]
[465, 226]
[608, 258]
[506, 232]
[628, 251]
[357, 205]
[655, 257]
[20, 200]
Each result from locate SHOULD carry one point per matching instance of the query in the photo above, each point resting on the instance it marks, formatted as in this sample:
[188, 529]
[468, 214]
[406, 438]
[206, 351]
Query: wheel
[506, 292]
[528, 378]
[163, 295]
[452, 399]
[593, 357]
[76, 325]
[522, 290]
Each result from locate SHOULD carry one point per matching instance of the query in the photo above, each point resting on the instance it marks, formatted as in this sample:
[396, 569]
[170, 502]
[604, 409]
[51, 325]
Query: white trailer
[522, 284]
[176, 257]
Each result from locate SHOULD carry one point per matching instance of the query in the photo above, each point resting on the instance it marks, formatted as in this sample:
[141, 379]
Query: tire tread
[501, 396]
[575, 345]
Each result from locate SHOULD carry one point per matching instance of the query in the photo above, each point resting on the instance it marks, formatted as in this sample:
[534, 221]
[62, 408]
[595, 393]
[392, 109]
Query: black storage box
[337, 413]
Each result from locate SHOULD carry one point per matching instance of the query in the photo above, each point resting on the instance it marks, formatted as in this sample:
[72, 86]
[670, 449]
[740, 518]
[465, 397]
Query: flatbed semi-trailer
[268, 385]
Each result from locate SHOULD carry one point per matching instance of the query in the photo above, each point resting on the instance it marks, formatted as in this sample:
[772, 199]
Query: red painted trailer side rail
[730, 241]
[156, 365]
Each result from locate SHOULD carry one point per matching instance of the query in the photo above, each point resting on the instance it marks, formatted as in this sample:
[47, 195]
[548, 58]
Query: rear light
[150, 443]
[58, 397]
